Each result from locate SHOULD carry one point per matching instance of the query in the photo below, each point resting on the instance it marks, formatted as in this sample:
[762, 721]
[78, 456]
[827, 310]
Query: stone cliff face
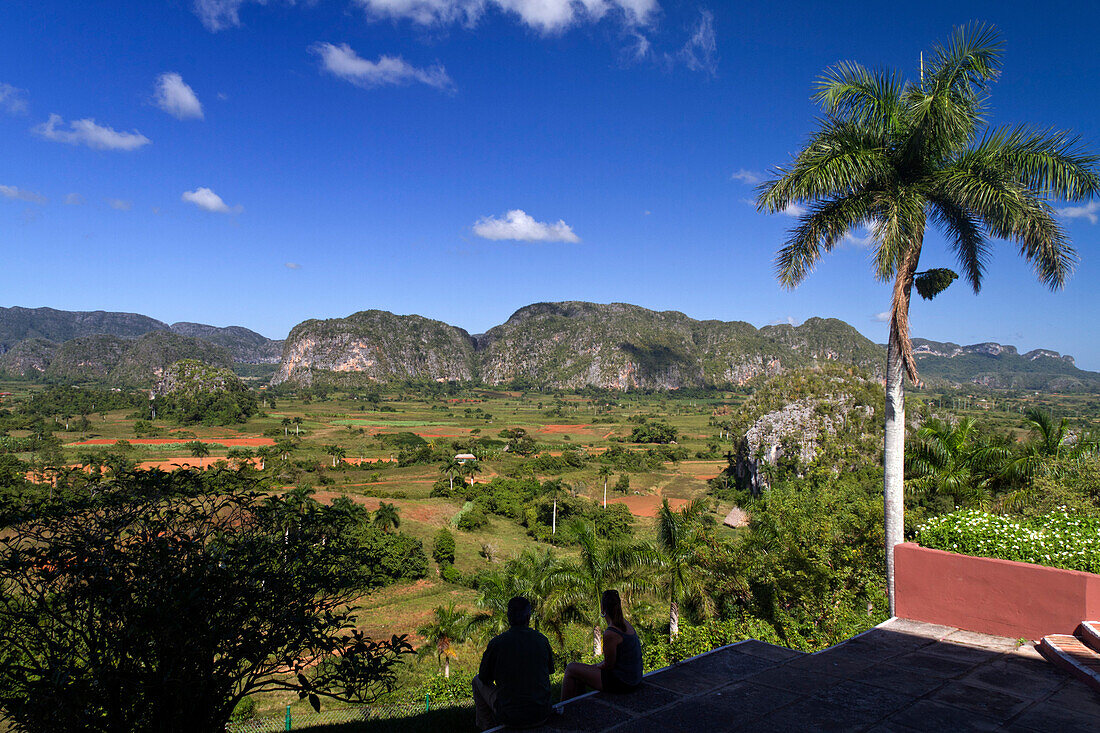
[377, 346]
[791, 418]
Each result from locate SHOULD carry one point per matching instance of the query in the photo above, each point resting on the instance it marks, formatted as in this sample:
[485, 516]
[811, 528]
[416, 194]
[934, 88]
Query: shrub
[473, 519]
[1058, 540]
[443, 548]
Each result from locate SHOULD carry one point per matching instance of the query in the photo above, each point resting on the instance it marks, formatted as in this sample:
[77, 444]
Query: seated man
[512, 686]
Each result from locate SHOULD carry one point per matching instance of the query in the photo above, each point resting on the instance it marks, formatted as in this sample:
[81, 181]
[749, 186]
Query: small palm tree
[601, 565]
[449, 469]
[448, 627]
[387, 517]
[953, 462]
[894, 155]
[286, 426]
[336, 452]
[680, 551]
[199, 450]
[469, 470]
[605, 473]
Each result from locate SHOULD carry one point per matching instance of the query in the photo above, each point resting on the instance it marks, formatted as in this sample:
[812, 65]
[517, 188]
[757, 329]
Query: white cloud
[546, 16]
[21, 194]
[794, 210]
[1090, 211]
[700, 53]
[881, 317]
[862, 242]
[206, 199]
[74, 199]
[218, 15]
[293, 266]
[788, 321]
[87, 132]
[12, 99]
[120, 204]
[518, 225]
[343, 62]
[746, 176]
[176, 98]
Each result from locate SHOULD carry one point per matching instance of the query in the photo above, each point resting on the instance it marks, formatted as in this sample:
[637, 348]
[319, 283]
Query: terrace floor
[899, 676]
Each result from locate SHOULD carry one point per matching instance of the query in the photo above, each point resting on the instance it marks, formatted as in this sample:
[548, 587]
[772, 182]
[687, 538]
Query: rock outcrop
[377, 346]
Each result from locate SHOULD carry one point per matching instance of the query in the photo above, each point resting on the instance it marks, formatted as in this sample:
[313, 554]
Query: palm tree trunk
[899, 361]
[447, 667]
[597, 641]
[673, 621]
[894, 461]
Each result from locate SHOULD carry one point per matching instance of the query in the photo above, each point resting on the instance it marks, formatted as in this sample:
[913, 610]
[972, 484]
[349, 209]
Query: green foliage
[622, 484]
[1059, 540]
[810, 564]
[654, 431]
[175, 602]
[931, 283]
[473, 519]
[443, 547]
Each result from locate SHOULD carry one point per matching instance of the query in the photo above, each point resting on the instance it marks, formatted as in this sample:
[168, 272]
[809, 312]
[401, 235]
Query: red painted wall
[999, 597]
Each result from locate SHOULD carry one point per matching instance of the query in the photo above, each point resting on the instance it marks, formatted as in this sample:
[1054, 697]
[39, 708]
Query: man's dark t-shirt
[519, 663]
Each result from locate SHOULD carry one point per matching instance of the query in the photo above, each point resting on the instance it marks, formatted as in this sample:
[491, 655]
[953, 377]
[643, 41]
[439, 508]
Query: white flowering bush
[1058, 540]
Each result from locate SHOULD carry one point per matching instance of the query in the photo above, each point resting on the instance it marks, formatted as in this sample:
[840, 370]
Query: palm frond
[819, 230]
[1051, 163]
[966, 235]
[977, 182]
[841, 158]
[850, 91]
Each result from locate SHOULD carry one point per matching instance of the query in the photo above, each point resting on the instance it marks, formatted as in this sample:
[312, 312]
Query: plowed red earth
[645, 506]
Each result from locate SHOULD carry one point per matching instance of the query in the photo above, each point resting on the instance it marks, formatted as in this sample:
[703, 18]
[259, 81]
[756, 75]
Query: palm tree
[891, 154]
[386, 517]
[199, 450]
[953, 461]
[263, 453]
[336, 452]
[469, 470]
[600, 566]
[297, 424]
[605, 473]
[450, 468]
[1049, 440]
[284, 448]
[679, 548]
[533, 575]
[286, 426]
[447, 628]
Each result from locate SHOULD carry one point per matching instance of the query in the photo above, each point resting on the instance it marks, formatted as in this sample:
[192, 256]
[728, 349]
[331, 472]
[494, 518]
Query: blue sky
[260, 163]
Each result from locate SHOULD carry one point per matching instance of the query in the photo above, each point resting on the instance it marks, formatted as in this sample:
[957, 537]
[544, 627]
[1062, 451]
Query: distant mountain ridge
[563, 345]
[50, 325]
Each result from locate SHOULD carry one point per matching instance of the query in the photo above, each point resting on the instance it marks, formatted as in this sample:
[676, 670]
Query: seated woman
[621, 669]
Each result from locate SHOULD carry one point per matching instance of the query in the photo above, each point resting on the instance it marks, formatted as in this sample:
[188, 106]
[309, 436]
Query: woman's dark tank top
[628, 659]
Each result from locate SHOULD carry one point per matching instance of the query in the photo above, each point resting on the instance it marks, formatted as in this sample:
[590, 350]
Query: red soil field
[228, 442]
[646, 506]
[559, 429]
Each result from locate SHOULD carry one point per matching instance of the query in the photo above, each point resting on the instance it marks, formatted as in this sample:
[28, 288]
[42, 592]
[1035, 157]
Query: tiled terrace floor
[900, 676]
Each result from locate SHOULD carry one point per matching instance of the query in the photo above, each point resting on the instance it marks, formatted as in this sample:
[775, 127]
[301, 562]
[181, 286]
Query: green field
[368, 473]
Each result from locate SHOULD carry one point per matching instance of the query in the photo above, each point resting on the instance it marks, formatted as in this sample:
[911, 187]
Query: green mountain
[139, 362]
[245, 346]
[1000, 367]
[376, 346]
[17, 324]
[567, 345]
